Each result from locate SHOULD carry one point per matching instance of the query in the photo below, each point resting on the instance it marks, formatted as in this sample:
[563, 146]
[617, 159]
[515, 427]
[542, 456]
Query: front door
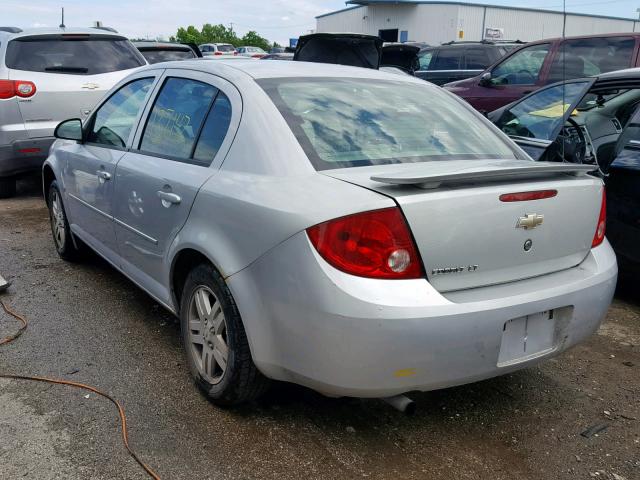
[514, 77]
[536, 122]
[623, 193]
[89, 167]
[157, 181]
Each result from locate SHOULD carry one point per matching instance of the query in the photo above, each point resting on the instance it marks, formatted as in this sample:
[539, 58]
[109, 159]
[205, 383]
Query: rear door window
[176, 118]
[521, 68]
[448, 59]
[477, 58]
[213, 132]
[584, 57]
[425, 59]
[72, 54]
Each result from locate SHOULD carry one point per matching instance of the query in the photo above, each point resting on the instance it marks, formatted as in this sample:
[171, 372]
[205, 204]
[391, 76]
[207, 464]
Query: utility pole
[634, 23]
[231, 27]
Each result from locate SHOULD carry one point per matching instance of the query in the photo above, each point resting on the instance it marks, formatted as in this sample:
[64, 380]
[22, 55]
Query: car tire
[62, 236]
[215, 342]
[7, 187]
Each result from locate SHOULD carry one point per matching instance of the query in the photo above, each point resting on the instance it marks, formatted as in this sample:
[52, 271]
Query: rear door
[583, 57]
[71, 73]
[89, 168]
[623, 193]
[536, 121]
[180, 144]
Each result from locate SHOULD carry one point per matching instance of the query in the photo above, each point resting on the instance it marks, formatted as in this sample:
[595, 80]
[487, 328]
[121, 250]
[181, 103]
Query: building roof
[362, 3]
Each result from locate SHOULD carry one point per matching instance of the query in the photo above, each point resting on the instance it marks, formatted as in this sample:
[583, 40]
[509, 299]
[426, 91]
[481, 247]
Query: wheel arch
[48, 176]
[185, 260]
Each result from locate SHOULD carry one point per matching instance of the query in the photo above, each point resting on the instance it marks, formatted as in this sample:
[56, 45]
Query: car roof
[152, 44]
[626, 74]
[261, 70]
[59, 31]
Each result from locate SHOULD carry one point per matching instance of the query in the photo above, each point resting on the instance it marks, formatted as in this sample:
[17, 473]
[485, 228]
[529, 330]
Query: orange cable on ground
[123, 418]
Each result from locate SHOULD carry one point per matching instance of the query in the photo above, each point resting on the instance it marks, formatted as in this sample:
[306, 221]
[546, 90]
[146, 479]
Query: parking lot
[90, 324]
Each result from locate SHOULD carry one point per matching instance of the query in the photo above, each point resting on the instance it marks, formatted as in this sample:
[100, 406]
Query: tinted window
[477, 58]
[425, 59]
[541, 114]
[343, 122]
[176, 117]
[81, 56]
[115, 119]
[447, 59]
[157, 55]
[226, 48]
[214, 131]
[521, 68]
[591, 56]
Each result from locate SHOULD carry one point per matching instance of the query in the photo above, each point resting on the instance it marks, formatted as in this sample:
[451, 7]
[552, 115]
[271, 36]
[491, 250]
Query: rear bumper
[341, 335]
[24, 155]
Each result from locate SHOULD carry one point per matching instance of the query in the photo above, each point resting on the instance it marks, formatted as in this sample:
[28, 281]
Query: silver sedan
[358, 232]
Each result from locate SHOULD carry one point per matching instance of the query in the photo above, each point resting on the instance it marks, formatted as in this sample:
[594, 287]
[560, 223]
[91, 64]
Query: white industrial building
[439, 22]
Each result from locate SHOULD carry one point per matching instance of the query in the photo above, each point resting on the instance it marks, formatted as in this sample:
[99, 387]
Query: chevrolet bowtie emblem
[90, 86]
[529, 221]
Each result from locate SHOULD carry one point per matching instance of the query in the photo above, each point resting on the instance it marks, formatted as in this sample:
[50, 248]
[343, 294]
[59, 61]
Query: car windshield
[344, 122]
[80, 55]
[157, 55]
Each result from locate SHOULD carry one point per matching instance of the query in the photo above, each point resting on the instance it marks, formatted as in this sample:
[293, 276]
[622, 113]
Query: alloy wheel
[57, 220]
[208, 335]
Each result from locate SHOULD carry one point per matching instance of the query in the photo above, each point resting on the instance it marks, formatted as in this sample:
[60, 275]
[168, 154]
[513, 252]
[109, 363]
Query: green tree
[219, 34]
[252, 38]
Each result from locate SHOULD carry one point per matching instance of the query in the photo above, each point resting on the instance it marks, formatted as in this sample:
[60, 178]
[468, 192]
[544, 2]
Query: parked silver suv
[48, 75]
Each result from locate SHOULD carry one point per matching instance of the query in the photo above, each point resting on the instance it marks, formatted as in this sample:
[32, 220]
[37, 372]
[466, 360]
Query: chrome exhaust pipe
[401, 403]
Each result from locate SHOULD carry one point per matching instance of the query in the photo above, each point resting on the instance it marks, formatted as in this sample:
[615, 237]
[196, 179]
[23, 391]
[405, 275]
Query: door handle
[103, 175]
[168, 198]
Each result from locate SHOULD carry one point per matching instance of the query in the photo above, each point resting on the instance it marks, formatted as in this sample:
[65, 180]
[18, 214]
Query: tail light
[16, 88]
[374, 244]
[217, 53]
[598, 238]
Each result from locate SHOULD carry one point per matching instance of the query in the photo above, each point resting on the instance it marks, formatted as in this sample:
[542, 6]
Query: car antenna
[62, 25]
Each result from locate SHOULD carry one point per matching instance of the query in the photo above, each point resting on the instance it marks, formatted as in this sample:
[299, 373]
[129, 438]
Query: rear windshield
[226, 48]
[343, 122]
[157, 55]
[82, 55]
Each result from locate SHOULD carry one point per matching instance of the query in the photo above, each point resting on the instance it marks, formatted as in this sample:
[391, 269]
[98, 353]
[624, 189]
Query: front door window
[521, 68]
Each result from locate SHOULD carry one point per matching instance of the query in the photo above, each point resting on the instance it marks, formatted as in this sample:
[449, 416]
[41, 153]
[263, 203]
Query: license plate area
[528, 337]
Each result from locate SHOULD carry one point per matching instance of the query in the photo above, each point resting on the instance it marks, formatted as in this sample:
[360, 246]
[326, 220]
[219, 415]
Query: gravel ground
[90, 324]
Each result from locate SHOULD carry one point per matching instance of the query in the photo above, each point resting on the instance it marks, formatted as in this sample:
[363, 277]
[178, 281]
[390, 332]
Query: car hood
[340, 48]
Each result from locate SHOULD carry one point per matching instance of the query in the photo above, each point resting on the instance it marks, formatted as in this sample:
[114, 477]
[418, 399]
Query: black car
[459, 60]
[156, 52]
[594, 120]
[357, 50]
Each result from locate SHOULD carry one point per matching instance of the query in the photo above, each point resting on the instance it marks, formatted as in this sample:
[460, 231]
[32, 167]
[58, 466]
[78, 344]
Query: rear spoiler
[421, 177]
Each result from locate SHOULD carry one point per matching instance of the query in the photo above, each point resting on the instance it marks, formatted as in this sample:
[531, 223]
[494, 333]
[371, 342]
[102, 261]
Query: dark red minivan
[544, 62]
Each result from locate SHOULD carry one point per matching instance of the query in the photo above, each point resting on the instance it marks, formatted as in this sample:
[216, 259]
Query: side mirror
[485, 80]
[69, 130]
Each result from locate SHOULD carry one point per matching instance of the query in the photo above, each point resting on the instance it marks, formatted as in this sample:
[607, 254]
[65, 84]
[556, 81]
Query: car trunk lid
[352, 49]
[468, 237]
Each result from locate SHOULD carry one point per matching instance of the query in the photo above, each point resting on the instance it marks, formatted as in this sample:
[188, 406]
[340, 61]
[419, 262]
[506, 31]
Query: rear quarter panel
[265, 191]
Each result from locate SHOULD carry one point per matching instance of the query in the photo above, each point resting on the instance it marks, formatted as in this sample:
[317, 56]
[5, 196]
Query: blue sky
[275, 19]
